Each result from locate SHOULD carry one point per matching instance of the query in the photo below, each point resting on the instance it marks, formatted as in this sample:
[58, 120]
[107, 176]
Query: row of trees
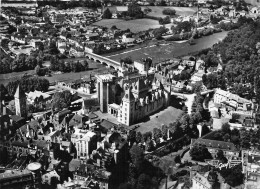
[27, 83]
[60, 65]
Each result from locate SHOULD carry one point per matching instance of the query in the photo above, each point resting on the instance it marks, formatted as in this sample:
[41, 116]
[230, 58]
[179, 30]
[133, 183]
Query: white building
[46, 178]
[85, 142]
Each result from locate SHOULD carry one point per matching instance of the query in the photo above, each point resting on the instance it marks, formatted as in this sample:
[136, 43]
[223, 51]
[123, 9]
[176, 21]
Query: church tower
[20, 102]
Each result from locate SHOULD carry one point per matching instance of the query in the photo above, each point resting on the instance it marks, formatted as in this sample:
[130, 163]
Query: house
[37, 97]
[12, 178]
[57, 17]
[142, 66]
[197, 77]
[92, 36]
[251, 167]
[47, 177]
[205, 181]
[89, 105]
[179, 87]
[85, 142]
[214, 146]
[255, 10]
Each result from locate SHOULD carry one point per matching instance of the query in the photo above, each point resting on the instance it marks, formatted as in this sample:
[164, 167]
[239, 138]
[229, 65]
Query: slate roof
[107, 125]
[19, 93]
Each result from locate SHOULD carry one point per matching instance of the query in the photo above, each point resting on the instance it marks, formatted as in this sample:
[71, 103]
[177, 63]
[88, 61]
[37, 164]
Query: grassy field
[169, 50]
[94, 68]
[167, 116]
[182, 11]
[157, 10]
[142, 24]
[134, 25]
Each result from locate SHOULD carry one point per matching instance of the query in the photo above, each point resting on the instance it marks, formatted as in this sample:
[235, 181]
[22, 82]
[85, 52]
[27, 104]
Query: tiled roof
[215, 144]
[107, 124]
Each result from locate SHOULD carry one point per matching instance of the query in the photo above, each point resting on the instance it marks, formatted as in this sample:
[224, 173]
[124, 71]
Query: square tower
[20, 102]
[104, 90]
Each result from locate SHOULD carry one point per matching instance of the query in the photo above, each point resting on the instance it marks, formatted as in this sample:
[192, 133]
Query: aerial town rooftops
[14, 174]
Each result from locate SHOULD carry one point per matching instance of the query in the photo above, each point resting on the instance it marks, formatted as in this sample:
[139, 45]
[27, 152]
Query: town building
[213, 146]
[85, 142]
[131, 99]
[251, 168]
[15, 178]
[20, 102]
[47, 177]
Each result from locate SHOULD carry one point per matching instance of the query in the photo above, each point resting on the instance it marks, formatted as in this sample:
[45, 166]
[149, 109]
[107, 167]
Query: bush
[165, 20]
[170, 12]
[107, 14]
[175, 37]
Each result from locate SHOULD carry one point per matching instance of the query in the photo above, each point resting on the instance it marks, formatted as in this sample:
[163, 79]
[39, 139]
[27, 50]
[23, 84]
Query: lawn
[182, 11]
[166, 116]
[157, 10]
[134, 25]
[169, 50]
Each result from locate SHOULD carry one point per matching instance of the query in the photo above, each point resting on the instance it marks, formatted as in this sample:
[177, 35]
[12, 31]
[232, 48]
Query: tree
[53, 48]
[157, 134]
[200, 153]
[107, 14]
[225, 128]
[127, 60]
[159, 32]
[135, 11]
[226, 137]
[37, 70]
[165, 132]
[61, 100]
[132, 136]
[3, 92]
[137, 156]
[144, 182]
[139, 137]
[221, 157]
[114, 27]
[168, 11]
[165, 20]
[183, 26]
[85, 64]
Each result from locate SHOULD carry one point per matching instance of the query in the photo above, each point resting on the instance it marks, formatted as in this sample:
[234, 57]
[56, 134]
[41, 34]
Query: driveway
[189, 101]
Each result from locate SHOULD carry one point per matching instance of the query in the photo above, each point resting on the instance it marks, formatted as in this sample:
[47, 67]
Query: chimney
[28, 128]
[51, 129]
[11, 122]
[10, 132]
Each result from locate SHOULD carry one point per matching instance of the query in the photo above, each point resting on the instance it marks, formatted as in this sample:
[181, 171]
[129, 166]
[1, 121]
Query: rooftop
[14, 173]
[215, 144]
[105, 77]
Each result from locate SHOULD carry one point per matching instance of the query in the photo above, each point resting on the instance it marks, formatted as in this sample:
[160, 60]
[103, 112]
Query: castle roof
[19, 92]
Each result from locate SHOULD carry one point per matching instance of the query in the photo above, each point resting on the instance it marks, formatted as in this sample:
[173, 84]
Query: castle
[131, 99]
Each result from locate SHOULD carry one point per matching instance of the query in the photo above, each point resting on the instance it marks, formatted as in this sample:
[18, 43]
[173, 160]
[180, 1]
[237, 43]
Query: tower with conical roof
[20, 102]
